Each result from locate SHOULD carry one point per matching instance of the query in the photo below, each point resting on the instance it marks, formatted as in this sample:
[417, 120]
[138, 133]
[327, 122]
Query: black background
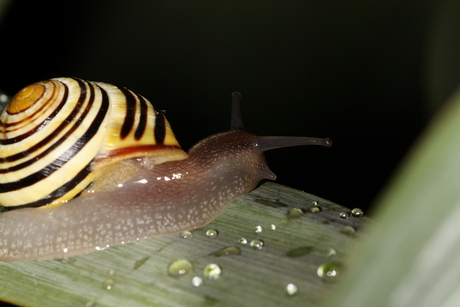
[368, 74]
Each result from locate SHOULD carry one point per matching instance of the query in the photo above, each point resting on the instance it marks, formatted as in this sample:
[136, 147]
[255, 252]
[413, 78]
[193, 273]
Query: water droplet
[140, 262]
[273, 227]
[314, 209]
[91, 304]
[112, 272]
[300, 251]
[348, 230]
[212, 271]
[294, 213]
[314, 203]
[258, 229]
[197, 281]
[211, 233]
[331, 252]
[186, 234]
[291, 289]
[243, 241]
[230, 250]
[330, 271]
[108, 283]
[180, 268]
[357, 212]
[344, 215]
[257, 244]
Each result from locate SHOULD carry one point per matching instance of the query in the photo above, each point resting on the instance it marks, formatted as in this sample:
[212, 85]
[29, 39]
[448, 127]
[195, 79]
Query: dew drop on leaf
[211, 233]
[186, 234]
[197, 281]
[291, 289]
[108, 284]
[294, 213]
[330, 271]
[257, 244]
[212, 271]
[180, 268]
[258, 229]
[357, 212]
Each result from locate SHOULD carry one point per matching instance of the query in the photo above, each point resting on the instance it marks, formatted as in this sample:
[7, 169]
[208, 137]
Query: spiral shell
[57, 135]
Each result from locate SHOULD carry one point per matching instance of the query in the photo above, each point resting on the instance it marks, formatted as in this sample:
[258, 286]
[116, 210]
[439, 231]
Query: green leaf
[411, 256]
[136, 274]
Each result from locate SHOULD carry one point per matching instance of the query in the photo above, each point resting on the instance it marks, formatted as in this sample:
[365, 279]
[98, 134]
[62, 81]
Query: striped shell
[58, 136]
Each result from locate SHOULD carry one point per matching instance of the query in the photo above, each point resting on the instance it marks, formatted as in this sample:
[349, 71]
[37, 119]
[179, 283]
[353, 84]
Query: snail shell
[57, 135]
[136, 183]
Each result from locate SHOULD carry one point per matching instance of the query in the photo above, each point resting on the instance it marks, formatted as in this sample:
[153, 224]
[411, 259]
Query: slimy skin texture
[170, 198]
[150, 200]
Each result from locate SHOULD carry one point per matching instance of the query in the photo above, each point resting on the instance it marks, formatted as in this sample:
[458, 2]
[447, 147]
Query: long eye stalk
[272, 142]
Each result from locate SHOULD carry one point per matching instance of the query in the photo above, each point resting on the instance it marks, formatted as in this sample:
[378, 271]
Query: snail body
[142, 195]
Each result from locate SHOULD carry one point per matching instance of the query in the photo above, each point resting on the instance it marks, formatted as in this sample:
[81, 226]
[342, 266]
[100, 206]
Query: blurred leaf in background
[411, 255]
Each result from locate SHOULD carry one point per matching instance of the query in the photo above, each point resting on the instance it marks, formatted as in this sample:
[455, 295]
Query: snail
[88, 165]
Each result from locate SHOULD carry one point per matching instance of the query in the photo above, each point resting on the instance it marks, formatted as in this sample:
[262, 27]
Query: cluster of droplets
[295, 213]
[356, 212]
[329, 271]
[183, 267]
[256, 243]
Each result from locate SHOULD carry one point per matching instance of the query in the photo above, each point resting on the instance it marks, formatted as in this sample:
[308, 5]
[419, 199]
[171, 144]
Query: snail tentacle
[137, 183]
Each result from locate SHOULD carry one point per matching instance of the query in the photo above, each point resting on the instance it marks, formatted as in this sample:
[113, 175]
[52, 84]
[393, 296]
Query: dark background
[368, 74]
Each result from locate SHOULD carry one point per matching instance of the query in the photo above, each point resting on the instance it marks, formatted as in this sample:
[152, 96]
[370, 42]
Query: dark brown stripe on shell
[69, 154]
[62, 190]
[128, 123]
[160, 128]
[143, 118]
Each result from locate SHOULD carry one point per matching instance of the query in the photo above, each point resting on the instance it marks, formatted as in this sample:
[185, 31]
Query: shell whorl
[54, 134]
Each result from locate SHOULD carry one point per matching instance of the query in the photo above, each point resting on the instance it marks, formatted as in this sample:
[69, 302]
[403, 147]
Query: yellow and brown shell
[55, 133]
